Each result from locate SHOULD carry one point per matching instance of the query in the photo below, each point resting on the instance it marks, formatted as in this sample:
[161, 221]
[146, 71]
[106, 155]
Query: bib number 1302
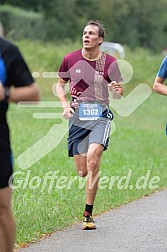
[90, 111]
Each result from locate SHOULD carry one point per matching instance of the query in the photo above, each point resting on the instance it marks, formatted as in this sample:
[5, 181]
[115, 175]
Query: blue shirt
[162, 73]
[2, 71]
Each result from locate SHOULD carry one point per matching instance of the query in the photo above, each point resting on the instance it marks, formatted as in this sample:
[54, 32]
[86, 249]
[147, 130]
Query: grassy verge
[137, 148]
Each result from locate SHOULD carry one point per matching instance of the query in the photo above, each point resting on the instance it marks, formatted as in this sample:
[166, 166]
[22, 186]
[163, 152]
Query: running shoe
[88, 223]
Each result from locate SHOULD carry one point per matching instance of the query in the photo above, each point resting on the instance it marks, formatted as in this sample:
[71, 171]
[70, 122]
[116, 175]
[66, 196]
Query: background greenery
[130, 22]
[19, 23]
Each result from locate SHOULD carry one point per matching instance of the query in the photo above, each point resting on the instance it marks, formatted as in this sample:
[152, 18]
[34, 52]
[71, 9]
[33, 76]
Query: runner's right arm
[67, 113]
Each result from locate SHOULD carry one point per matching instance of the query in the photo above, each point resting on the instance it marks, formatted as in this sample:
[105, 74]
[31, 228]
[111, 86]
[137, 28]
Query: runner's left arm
[116, 89]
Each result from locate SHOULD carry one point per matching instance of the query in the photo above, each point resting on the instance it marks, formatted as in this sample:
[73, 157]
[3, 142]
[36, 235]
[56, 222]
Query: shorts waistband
[75, 100]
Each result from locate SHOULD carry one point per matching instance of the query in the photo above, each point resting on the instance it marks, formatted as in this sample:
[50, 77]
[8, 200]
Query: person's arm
[116, 79]
[67, 110]
[116, 89]
[16, 94]
[159, 86]
[27, 93]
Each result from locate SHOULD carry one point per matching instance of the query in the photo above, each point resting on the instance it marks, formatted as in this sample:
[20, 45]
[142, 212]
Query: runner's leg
[80, 164]
[7, 224]
[93, 165]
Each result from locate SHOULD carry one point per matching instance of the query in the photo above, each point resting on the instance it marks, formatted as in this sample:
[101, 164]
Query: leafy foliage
[32, 24]
[26, 4]
[131, 22]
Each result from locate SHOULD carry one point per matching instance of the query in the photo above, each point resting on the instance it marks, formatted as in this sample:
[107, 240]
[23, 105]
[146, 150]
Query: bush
[21, 24]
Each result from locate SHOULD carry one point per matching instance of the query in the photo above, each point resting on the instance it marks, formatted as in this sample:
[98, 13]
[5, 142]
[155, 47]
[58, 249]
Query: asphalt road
[140, 226]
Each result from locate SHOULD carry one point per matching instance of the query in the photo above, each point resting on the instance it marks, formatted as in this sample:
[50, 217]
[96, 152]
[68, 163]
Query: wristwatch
[7, 94]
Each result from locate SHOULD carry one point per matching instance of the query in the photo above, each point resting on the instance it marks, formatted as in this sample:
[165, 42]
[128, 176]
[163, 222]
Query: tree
[26, 4]
[135, 23]
[65, 19]
[132, 22]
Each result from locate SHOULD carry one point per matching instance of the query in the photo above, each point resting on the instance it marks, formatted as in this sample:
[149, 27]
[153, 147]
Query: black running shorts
[6, 169]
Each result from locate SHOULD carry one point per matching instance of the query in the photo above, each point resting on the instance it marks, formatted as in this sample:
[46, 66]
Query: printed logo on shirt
[78, 70]
[99, 72]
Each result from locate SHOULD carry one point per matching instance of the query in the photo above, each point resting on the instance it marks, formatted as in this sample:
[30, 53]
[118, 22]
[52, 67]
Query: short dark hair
[97, 23]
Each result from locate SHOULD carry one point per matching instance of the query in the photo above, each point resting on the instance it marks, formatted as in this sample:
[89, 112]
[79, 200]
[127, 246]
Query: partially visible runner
[16, 84]
[159, 83]
[159, 86]
[90, 73]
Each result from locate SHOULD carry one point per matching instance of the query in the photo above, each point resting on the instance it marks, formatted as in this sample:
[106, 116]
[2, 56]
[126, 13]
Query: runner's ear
[100, 40]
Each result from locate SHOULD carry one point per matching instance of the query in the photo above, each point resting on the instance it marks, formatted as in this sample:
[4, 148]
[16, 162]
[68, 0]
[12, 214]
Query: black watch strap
[7, 94]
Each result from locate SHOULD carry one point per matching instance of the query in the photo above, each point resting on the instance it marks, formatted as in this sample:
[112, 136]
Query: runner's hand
[116, 89]
[68, 112]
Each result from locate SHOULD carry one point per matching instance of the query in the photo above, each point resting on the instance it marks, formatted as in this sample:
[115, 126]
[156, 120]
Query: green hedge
[21, 24]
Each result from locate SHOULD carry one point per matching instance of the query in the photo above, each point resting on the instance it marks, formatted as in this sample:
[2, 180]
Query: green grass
[137, 145]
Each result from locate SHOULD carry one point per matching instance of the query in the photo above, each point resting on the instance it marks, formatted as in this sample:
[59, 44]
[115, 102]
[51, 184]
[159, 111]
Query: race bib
[90, 111]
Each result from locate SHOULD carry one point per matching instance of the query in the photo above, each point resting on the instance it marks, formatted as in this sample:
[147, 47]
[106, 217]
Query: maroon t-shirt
[89, 79]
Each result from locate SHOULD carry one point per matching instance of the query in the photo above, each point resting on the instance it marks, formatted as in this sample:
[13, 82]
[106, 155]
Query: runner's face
[91, 37]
